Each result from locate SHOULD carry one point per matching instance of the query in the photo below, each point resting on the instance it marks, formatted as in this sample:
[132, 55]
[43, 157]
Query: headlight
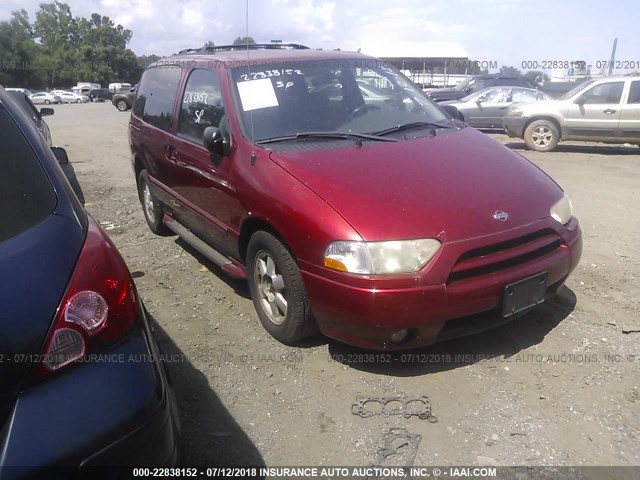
[367, 258]
[515, 111]
[562, 210]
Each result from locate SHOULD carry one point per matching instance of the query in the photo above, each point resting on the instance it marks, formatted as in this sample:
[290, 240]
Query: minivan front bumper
[368, 314]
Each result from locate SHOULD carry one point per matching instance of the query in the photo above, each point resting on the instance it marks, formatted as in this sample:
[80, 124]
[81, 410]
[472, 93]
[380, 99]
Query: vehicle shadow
[505, 340]
[210, 435]
[584, 149]
[239, 286]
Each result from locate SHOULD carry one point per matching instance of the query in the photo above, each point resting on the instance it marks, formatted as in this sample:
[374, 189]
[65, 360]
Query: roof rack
[241, 47]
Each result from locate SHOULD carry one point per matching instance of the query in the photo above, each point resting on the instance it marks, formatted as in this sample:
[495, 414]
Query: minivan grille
[500, 256]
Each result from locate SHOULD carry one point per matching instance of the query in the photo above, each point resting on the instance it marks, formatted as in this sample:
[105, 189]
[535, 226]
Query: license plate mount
[524, 294]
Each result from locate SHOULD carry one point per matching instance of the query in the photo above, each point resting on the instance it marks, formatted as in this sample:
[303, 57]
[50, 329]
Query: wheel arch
[545, 117]
[252, 225]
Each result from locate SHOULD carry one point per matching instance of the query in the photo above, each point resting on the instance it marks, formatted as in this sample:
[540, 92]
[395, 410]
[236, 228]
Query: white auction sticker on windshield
[255, 94]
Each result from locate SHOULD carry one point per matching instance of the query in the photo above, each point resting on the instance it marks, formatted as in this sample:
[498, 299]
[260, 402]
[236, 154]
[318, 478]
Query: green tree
[537, 76]
[103, 55]
[509, 71]
[244, 41]
[57, 31]
[18, 52]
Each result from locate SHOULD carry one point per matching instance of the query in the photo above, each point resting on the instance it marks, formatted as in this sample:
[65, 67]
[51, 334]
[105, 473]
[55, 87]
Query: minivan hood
[447, 186]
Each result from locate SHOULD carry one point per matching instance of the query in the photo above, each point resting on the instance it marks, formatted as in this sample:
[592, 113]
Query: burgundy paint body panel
[446, 186]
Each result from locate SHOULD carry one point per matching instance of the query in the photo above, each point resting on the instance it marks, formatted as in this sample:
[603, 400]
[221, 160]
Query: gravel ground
[560, 386]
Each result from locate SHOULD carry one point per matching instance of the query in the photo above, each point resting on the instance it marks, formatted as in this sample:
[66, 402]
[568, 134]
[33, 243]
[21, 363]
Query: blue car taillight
[99, 306]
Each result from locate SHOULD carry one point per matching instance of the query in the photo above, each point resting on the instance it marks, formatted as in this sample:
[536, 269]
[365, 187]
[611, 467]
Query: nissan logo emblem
[501, 216]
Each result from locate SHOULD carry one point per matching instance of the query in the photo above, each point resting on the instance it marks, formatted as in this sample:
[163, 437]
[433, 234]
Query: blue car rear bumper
[116, 409]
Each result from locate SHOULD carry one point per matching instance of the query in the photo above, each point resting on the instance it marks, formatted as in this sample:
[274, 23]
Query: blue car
[82, 383]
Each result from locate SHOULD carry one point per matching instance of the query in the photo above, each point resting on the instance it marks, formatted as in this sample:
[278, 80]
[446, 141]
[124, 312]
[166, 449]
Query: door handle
[608, 110]
[170, 152]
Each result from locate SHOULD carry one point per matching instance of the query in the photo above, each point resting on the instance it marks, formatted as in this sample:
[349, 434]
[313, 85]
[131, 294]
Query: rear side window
[27, 196]
[157, 95]
[634, 92]
[201, 105]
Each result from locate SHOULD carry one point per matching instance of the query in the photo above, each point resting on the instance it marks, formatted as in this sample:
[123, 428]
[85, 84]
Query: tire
[542, 136]
[78, 101]
[151, 207]
[122, 105]
[47, 101]
[277, 290]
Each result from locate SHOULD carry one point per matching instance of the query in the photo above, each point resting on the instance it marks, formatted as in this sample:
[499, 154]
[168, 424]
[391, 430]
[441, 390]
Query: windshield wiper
[337, 135]
[407, 126]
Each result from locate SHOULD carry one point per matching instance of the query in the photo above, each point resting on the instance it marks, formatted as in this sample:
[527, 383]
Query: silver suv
[601, 110]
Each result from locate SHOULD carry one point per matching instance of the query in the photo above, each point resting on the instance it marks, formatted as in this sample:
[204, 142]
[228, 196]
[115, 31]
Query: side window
[157, 96]
[519, 95]
[634, 92]
[201, 105]
[604, 93]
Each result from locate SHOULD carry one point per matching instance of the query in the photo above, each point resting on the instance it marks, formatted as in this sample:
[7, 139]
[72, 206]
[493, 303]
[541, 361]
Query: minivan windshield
[284, 99]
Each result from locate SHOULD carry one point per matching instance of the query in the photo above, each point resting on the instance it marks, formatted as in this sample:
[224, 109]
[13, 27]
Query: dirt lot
[558, 387]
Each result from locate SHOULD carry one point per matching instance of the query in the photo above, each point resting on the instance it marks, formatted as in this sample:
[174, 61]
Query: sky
[497, 32]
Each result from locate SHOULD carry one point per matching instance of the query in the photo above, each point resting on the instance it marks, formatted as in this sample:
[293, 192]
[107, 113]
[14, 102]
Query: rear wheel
[541, 135]
[277, 290]
[122, 105]
[47, 101]
[150, 206]
[78, 100]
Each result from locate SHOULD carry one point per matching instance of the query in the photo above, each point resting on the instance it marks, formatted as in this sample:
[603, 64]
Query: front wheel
[277, 290]
[78, 100]
[150, 206]
[122, 105]
[47, 101]
[541, 135]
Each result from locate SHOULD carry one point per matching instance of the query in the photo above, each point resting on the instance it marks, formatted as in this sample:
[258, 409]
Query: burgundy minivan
[351, 203]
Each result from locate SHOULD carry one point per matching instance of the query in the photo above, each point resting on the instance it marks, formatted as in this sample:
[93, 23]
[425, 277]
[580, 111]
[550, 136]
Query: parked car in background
[604, 110]
[26, 91]
[478, 82]
[81, 361]
[45, 98]
[124, 101]
[386, 226]
[100, 95]
[485, 108]
[119, 87]
[70, 97]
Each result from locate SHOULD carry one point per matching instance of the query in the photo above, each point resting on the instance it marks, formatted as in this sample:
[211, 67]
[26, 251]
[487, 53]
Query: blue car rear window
[26, 195]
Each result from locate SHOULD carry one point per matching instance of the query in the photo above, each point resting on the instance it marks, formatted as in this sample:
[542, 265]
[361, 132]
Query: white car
[26, 91]
[70, 97]
[44, 97]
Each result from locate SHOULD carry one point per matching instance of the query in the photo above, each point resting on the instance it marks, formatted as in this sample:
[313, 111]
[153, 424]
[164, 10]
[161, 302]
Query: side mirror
[217, 140]
[45, 112]
[61, 155]
[580, 100]
[451, 110]
[213, 141]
